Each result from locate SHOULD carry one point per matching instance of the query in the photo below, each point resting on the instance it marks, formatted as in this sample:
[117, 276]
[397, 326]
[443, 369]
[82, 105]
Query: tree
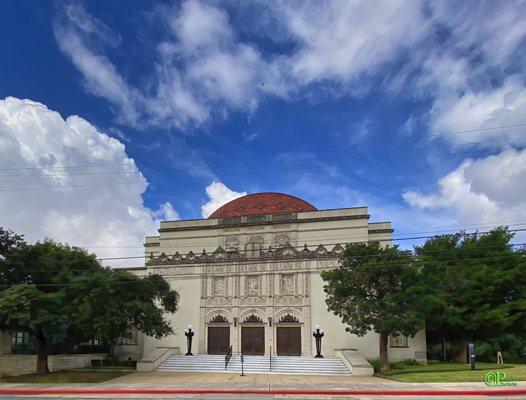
[62, 297]
[375, 288]
[9, 241]
[477, 284]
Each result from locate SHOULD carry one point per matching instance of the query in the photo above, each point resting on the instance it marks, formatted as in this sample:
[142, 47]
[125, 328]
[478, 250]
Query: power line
[453, 260]
[427, 156]
[437, 232]
[136, 171]
[269, 154]
[333, 244]
[262, 260]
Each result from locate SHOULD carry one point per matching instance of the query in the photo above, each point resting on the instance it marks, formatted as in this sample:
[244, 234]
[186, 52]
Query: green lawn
[450, 372]
[73, 376]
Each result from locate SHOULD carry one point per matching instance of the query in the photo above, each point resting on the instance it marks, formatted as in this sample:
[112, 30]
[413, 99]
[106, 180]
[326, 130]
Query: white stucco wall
[336, 337]
[189, 290]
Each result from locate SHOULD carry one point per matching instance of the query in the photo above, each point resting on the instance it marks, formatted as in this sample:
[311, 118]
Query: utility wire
[392, 262]
[385, 161]
[214, 243]
[349, 155]
[332, 244]
[262, 260]
[273, 154]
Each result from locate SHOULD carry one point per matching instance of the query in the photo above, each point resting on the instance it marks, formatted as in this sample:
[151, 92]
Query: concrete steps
[256, 365]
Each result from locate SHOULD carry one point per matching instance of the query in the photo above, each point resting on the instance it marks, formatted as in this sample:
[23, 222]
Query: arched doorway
[288, 336]
[253, 335]
[218, 335]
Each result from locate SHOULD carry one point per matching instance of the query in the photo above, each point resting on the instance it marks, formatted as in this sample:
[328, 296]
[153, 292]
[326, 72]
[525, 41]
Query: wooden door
[218, 339]
[289, 340]
[253, 340]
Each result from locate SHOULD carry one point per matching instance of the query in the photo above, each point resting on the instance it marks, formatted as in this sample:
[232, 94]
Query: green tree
[9, 241]
[375, 288]
[477, 284]
[62, 297]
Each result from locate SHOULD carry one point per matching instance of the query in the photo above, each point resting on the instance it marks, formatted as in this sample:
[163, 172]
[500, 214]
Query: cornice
[285, 221]
[221, 255]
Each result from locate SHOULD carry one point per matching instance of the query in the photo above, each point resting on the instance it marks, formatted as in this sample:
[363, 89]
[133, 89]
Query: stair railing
[270, 359]
[228, 356]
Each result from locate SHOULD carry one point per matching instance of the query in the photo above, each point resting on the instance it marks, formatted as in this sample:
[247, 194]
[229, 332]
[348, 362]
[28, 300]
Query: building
[249, 277]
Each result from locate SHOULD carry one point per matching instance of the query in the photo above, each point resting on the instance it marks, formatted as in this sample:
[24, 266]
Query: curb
[350, 392]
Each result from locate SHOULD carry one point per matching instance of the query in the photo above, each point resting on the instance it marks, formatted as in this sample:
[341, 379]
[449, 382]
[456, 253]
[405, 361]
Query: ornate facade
[249, 277]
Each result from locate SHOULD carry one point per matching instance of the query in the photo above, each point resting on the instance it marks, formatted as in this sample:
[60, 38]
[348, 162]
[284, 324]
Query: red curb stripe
[349, 392]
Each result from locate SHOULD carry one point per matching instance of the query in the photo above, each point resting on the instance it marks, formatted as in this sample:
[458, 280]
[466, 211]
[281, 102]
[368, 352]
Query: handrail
[270, 359]
[228, 356]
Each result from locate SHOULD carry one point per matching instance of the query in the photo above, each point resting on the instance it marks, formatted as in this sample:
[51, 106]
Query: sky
[117, 115]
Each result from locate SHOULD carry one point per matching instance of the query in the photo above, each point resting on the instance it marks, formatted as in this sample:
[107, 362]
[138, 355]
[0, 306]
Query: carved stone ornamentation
[281, 239]
[252, 268]
[219, 319]
[253, 319]
[287, 283]
[290, 319]
[218, 302]
[220, 286]
[288, 300]
[252, 285]
[253, 249]
[232, 243]
[252, 301]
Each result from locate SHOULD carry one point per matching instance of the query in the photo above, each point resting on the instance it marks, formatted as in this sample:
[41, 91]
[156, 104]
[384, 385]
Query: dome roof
[262, 204]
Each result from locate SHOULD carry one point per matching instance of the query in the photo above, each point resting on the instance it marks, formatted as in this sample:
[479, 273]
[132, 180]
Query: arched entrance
[288, 336]
[253, 335]
[218, 335]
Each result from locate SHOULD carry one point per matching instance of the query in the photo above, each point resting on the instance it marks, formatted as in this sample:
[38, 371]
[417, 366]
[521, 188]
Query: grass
[437, 371]
[71, 376]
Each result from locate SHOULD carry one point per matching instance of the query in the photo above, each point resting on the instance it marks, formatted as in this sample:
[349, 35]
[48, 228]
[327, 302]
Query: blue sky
[386, 104]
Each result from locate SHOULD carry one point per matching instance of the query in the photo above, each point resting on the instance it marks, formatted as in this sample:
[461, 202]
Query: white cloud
[249, 137]
[488, 190]
[460, 55]
[218, 195]
[470, 109]
[342, 40]
[100, 75]
[109, 218]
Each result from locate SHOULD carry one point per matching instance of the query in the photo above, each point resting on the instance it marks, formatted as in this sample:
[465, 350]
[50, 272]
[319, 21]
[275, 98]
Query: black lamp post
[189, 333]
[318, 334]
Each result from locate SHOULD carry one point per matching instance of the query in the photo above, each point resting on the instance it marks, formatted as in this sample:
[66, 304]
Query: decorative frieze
[219, 301]
[252, 301]
[286, 252]
[288, 300]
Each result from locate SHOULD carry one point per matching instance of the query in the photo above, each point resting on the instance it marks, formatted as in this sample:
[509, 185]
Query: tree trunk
[384, 361]
[459, 350]
[42, 353]
[42, 367]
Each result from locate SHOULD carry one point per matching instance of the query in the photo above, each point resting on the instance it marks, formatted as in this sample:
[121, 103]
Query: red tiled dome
[262, 204]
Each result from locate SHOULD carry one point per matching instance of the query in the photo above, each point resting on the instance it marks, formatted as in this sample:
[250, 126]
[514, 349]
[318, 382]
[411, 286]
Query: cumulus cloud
[471, 110]
[218, 195]
[100, 208]
[488, 190]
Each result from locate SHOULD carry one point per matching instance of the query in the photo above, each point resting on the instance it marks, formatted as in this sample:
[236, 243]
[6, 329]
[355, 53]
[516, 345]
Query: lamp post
[189, 333]
[318, 334]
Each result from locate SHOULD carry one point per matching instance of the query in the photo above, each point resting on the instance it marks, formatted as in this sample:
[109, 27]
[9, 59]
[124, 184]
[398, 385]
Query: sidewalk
[272, 384]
